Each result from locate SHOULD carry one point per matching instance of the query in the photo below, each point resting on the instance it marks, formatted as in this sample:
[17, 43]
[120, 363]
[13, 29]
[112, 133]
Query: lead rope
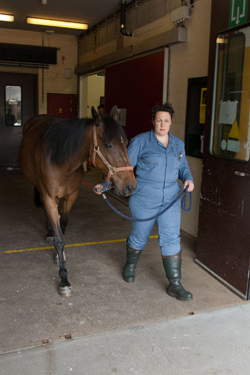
[182, 195]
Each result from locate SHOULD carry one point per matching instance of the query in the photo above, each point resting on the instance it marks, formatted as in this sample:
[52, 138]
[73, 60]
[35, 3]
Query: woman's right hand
[97, 189]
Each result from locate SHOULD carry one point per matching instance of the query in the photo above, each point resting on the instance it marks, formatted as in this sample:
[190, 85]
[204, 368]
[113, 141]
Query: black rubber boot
[172, 266]
[132, 258]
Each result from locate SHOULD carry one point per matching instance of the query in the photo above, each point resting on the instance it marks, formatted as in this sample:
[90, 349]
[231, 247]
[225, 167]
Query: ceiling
[87, 11]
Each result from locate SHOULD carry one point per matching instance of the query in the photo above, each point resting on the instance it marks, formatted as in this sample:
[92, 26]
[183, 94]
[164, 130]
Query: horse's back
[38, 121]
[34, 157]
[30, 146]
[32, 131]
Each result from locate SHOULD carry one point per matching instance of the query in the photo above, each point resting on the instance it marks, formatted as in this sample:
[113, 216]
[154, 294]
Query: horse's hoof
[65, 291]
[50, 240]
[56, 259]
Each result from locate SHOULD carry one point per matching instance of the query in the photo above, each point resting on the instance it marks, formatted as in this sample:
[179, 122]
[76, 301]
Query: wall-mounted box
[180, 14]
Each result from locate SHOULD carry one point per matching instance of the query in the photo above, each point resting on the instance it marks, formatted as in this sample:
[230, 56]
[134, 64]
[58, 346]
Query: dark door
[62, 105]
[18, 95]
[136, 85]
[223, 245]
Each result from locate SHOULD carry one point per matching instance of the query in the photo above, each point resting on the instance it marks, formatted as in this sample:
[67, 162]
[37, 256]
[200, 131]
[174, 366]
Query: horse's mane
[64, 138]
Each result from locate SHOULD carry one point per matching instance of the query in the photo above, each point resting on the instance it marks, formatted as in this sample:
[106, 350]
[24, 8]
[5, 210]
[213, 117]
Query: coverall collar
[155, 140]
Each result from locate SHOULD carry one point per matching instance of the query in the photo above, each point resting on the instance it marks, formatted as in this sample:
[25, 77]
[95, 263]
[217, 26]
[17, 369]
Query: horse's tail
[37, 198]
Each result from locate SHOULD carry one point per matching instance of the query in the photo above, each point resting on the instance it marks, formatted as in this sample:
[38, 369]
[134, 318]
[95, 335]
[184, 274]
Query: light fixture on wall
[55, 23]
[6, 17]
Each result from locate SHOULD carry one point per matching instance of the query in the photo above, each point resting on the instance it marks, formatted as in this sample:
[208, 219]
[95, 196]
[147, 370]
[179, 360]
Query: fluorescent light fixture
[54, 23]
[6, 17]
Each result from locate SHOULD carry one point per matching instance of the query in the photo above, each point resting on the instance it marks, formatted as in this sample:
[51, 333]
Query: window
[13, 105]
[195, 116]
[230, 135]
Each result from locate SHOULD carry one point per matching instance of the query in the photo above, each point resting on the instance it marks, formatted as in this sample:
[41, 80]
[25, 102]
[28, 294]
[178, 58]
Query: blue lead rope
[183, 196]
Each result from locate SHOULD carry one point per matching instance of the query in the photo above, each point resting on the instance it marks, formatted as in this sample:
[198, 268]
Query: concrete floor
[107, 326]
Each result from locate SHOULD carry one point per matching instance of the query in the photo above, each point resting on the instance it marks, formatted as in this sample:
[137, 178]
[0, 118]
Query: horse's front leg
[50, 233]
[39, 202]
[50, 236]
[65, 209]
[51, 208]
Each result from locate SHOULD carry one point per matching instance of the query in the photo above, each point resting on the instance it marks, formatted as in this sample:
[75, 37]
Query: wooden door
[223, 244]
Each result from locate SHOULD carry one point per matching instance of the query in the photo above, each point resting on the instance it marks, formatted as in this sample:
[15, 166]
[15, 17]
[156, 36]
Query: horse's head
[110, 152]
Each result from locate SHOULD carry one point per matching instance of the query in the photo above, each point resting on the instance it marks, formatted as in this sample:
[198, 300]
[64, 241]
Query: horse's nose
[128, 189]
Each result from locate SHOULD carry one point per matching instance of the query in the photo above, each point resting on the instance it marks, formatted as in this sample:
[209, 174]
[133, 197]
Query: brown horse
[51, 156]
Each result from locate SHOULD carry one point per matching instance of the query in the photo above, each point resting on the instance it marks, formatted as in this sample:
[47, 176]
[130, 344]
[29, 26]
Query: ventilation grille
[36, 55]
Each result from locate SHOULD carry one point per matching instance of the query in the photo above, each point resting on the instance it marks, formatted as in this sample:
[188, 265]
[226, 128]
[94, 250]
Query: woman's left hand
[190, 185]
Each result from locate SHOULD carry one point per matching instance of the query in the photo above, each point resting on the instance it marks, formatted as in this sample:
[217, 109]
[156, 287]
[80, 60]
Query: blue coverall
[157, 169]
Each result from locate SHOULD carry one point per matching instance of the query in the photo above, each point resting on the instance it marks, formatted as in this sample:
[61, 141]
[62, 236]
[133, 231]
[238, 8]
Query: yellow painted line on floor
[72, 245]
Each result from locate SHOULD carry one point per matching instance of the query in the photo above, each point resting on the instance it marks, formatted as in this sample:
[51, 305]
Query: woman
[159, 161]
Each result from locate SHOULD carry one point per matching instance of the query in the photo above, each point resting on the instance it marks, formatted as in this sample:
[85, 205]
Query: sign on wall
[238, 12]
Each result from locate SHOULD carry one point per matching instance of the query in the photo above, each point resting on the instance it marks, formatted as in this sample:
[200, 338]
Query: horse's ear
[94, 113]
[114, 112]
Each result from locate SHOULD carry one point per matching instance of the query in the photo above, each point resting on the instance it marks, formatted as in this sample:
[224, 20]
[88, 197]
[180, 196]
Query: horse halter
[111, 169]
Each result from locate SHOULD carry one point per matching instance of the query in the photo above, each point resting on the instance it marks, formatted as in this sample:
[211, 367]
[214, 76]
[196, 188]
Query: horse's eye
[108, 145]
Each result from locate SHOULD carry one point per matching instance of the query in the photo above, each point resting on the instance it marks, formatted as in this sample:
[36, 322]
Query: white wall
[51, 80]
[190, 60]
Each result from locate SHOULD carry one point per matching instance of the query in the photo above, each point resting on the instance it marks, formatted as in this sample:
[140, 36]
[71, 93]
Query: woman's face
[162, 123]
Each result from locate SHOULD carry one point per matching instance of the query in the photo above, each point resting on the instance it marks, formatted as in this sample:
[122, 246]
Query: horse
[51, 156]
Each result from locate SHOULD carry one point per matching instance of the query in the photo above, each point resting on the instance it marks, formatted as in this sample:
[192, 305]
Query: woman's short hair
[166, 107]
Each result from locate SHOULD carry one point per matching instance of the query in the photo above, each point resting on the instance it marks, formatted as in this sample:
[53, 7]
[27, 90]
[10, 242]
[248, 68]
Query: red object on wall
[62, 105]
[136, 85]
